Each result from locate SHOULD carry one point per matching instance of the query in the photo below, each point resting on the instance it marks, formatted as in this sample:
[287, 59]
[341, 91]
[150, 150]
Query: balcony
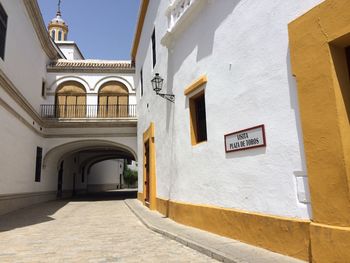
[180, 13]
[87, 111]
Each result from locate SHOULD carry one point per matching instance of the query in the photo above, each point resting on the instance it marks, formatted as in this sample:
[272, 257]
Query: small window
[198, 118]
[53, 33]
[43, 89]
[141, 82]
[154, 51]
[39, 155]
[3, 29]
[59, 35]
[65, 36]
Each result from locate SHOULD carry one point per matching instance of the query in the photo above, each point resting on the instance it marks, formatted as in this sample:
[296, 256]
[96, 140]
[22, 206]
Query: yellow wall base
[329, 243]
[286, 236]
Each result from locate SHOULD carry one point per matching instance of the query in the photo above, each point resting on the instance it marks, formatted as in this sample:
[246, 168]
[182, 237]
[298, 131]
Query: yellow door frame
[148, 136]
[317, 43]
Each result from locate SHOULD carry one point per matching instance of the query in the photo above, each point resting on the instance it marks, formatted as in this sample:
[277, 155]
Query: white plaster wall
[71, 52]
[18, 155]
[106, 172]
[25, 66]
[243, 49]
[25, 61]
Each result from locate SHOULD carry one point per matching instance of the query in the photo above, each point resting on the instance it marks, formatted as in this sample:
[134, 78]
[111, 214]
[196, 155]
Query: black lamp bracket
[169, 97]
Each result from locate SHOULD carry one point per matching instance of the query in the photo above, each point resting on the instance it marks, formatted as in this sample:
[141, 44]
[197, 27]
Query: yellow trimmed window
[198, 118]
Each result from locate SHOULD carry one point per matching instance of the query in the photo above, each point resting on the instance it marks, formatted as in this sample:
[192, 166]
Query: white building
[66, 121]
[247, 137]
[228, 65]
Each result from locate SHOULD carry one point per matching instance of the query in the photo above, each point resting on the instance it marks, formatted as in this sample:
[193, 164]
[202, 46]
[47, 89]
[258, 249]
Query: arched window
[113, 100]
[65, 36]
[71, 100]
[59, 35]
[53, 33]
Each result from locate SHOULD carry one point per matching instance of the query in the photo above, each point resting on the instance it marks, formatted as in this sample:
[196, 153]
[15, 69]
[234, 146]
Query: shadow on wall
[193, 38]
[246, 153]
[294, 104]
[30, 216]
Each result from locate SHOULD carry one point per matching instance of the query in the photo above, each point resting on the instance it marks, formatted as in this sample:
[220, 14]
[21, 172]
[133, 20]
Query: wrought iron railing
[87, 111]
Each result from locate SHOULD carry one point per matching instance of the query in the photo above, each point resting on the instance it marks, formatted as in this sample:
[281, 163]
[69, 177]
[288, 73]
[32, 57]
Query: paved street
[85, 231]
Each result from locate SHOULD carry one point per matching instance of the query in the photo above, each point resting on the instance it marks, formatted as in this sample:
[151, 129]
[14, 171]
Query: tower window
[154, 51]
[39, 155]
[65, 37]
[198, 118]
[53, 33]
[59, 35]
[3, 29]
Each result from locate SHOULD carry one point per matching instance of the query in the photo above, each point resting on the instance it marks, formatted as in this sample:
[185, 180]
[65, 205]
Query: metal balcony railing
[87, 111]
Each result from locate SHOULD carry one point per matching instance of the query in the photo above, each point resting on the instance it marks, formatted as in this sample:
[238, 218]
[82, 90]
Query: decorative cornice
[141, 20]
[91, 66]
[40, 29]
[91, 123]
[16, 95]
[88, 135]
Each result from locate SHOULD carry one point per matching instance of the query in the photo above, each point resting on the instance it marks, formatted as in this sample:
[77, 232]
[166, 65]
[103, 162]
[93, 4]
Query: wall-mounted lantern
[157, 84]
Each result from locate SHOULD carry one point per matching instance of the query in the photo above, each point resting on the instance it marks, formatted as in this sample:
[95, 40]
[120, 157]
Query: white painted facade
[242, 48]
[92, 83]
[77, 144]
[106, 175]
[70, 50]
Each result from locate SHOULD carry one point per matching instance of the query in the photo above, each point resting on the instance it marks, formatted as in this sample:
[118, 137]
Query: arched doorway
[113, 100]
[71, 162]
[70, 100]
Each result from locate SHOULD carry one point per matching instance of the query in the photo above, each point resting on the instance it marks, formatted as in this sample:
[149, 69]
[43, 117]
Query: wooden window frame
[197, 136]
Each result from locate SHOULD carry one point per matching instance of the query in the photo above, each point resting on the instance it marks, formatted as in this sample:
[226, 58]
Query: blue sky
[103, 29]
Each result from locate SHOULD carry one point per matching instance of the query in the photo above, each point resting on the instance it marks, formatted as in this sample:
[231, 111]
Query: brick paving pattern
[83, 231]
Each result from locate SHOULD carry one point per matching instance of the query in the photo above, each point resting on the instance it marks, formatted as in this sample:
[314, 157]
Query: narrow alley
[94, 229]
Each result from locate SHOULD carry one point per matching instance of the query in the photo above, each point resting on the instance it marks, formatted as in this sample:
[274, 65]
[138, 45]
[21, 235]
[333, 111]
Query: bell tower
[58, 29]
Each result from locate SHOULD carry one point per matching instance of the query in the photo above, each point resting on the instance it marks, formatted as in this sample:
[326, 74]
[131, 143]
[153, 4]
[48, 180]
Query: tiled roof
[92, 64]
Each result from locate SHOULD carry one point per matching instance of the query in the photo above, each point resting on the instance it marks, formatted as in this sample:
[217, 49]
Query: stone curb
[242, 254]
[186, 242]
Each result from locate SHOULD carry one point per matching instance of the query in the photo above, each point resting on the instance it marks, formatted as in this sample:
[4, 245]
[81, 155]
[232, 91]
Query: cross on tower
[59, 8]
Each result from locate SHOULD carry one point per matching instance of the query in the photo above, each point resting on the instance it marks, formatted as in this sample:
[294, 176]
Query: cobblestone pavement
[85, 231]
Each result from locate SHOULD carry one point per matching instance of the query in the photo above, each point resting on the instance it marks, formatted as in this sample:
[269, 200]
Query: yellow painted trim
[317, 44]
[140, 196]
[329, 243]
[141, 20]
[148, 135]
[287, 236]
[196, 85]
